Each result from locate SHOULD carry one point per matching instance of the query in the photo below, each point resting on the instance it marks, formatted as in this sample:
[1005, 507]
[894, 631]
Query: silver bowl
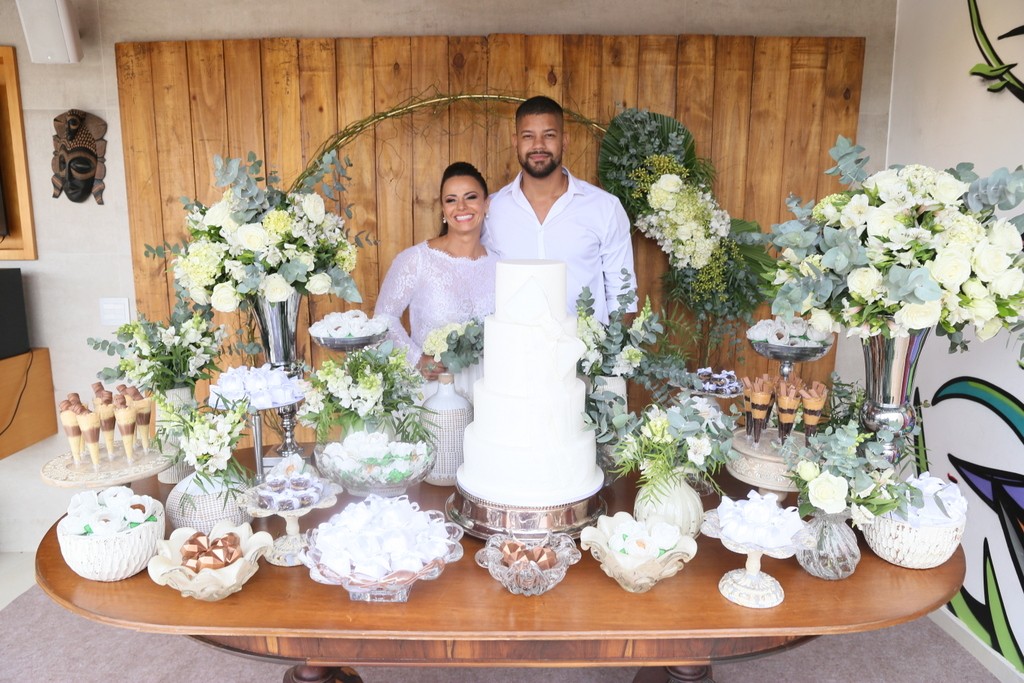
[349, 343]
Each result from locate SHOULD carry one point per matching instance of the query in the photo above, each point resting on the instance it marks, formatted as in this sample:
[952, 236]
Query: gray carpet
[41, 641]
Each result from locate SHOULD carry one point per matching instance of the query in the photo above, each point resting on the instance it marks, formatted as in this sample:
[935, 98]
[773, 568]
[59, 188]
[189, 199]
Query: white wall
[84, 248]
[941, 116]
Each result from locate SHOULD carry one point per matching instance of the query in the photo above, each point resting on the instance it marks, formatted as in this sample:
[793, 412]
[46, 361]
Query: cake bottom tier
[549, 475]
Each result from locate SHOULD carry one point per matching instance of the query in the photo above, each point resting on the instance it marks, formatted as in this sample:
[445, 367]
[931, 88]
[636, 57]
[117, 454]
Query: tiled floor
[18, 570]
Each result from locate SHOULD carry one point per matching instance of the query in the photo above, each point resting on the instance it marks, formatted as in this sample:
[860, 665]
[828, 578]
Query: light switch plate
[114, 312]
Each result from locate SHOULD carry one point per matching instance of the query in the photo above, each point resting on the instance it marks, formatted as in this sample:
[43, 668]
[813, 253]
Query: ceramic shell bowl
[642, 577]
[209, 584]
[904, 545]
[115, 557]
[526, 577]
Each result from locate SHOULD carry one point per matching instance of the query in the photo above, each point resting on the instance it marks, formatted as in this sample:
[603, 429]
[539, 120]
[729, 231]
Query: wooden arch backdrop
[765, 110]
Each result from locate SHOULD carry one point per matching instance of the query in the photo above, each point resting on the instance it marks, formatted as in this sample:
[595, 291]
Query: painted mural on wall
[1001, 68]
[974, 433]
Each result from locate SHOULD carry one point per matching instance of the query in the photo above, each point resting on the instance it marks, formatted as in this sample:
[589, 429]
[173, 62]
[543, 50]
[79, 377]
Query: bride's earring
[444, 220]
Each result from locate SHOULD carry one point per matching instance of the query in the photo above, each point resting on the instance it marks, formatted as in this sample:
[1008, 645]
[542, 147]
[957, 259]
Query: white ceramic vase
[177, 398]
[674, 502]
[201, 507]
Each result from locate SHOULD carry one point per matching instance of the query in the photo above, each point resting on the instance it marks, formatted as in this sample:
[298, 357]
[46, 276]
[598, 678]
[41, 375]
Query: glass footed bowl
[524, 576]
[393, 587]
[364, 478]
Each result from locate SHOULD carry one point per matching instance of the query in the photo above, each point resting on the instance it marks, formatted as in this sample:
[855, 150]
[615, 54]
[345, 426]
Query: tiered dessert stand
[760, 464]
[286, 549]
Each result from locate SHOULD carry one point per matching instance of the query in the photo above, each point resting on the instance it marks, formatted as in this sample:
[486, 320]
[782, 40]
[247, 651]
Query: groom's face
[540, 141]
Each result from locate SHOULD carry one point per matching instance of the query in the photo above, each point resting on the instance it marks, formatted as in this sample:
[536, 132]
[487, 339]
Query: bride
[446, 279]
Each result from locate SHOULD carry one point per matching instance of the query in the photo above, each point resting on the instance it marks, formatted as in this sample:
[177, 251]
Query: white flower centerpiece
[260, 241]
[111, 534]
[637, 555]
[372, 388]
[911, 248]
[925, 536]
[841, 473]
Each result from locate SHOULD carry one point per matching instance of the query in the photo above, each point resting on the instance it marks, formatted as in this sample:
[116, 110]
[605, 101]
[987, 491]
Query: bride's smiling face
[463, 203]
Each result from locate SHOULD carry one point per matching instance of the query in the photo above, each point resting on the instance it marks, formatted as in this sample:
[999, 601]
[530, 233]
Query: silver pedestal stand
[483, 518]
[288, 445]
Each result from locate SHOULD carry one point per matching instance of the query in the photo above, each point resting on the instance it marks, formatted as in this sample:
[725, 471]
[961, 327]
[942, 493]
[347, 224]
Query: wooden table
[466, 618]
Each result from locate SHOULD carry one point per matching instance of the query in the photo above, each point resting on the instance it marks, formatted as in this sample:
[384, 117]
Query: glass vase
[836, 553]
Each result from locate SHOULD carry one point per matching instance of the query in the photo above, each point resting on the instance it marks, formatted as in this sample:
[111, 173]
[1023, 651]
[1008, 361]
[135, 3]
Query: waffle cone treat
[748, 424]
[69, 421]
[125, 418]
[788, 401]
[107, 425]
[814, 401]
[143, 412]
[90, 425]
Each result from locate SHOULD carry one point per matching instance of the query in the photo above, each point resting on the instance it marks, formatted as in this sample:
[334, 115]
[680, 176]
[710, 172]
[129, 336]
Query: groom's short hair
[539, 104]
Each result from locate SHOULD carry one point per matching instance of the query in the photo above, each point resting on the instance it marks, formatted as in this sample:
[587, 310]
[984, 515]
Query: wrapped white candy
[758, 521]
[944, 504]
[264, 387]
[348, 324]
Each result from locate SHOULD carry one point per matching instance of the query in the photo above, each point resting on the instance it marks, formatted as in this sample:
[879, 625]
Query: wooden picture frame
[20, 242]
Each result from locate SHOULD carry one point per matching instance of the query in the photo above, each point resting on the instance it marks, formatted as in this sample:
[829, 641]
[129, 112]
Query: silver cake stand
[483, 518]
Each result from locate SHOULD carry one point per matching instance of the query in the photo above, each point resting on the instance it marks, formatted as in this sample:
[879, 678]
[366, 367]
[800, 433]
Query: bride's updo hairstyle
[459, 168]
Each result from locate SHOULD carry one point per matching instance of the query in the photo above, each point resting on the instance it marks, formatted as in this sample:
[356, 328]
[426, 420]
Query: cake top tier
[535, 280]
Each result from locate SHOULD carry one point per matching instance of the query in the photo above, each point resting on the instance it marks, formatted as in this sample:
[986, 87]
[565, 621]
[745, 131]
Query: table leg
[303, 673]
[695, 673]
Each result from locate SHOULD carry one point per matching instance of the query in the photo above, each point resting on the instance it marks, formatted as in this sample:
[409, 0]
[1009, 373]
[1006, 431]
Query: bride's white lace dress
[438, 289]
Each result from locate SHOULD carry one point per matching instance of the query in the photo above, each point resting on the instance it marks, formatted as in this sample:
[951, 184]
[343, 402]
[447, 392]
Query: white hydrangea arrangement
[372, 385]
[108, 512]
[456, 345]
[685, 220]
[911, 249]
[260, 241]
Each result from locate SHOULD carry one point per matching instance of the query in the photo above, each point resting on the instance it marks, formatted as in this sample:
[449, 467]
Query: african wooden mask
[79, 153]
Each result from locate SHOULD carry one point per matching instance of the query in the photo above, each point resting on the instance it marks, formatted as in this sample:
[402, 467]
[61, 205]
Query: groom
[547, 213]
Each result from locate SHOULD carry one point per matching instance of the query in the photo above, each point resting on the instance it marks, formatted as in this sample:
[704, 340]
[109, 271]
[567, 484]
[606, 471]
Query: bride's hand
[430, 368]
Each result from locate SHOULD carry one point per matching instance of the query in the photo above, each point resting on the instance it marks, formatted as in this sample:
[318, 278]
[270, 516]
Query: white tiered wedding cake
[528, 445]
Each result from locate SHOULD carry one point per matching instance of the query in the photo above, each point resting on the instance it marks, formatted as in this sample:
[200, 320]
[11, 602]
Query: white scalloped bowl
[111, 558]
[209, 584]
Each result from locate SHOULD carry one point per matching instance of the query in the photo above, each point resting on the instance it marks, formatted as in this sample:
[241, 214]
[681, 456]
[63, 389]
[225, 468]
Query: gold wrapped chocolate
[200, 552]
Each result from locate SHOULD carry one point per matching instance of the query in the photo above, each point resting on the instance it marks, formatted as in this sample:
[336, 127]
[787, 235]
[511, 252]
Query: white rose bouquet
[912, 248]
[843, 469]
[456, 345]
[259, 241]
[692, 434]
[373, 385]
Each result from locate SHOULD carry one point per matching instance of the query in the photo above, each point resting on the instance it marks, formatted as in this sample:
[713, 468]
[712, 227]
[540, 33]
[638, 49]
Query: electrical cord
[21, 394]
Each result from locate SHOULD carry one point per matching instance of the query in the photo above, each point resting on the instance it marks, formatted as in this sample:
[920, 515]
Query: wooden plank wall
[765, 110]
